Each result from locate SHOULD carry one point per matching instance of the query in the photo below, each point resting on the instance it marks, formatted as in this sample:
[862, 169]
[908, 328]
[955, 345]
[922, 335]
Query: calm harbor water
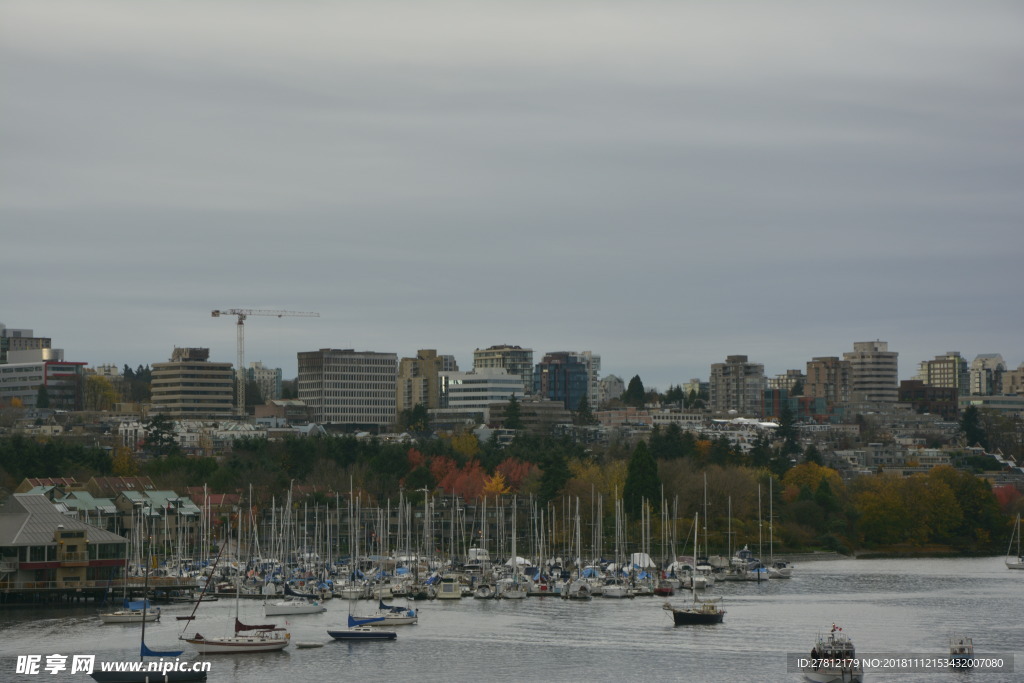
[886, 606]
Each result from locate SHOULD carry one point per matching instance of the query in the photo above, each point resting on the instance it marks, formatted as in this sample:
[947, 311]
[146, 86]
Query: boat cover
[353, 622]
[239, 626]
[146, 652]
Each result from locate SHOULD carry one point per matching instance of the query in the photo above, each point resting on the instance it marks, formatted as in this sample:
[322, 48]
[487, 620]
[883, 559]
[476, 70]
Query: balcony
[73, 558]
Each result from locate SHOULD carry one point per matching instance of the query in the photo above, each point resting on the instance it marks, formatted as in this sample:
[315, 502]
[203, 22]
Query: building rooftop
[30, 519]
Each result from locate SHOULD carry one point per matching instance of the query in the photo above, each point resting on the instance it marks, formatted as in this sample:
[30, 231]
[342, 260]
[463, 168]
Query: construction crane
[242, 314]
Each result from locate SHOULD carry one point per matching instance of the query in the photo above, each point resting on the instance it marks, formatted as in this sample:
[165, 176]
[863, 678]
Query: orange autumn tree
[514, 471]
[441, 468]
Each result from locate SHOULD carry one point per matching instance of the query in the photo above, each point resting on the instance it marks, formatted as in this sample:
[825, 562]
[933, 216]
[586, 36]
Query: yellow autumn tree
[811, 475]
[124, 463]
[100, 393]
[496, 485]
[466, 444]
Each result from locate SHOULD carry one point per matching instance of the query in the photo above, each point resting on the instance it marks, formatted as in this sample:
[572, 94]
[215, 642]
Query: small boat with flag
[361, 629]
[834, 660]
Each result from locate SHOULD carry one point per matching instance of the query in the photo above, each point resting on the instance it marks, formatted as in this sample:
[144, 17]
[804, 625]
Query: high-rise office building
[343, 386]
[189, 386]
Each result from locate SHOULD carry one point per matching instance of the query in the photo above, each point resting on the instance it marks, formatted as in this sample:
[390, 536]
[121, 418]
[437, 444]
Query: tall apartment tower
[828, 378]
[419, 379]
[949, 372]
[342, 386]
[269, 380]
[568, 377]
[874, 372]
[986, 374]
[609, 388]
[190, 387]
[514, 359]
[737, 385]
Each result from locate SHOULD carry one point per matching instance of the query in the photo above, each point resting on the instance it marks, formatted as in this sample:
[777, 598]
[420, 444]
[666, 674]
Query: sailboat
[158, 673]
[393, 615]
[132, 611]
[294, 603]
[1018, 561]
[247, 637]
[514, 587]
[360, 629]
[777, 568]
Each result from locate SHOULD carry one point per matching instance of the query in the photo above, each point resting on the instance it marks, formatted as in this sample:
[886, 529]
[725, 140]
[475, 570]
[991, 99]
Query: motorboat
[704, 610]
[780, 569]
[961, 649]
[834, 660]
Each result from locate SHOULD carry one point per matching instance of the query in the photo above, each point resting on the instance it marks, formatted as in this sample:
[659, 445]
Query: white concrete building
[472, 392]
[343, 386]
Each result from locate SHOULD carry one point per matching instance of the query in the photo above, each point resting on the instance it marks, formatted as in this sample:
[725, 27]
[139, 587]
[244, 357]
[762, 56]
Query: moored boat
[293, 606]
[247, 638]
[1015, 561]
[132, 613]
[704, 610]
[390, 615]
[360, 629]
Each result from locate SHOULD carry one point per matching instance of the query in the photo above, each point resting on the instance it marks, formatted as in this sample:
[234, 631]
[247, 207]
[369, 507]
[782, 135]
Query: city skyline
[665, 185]
[907, 369]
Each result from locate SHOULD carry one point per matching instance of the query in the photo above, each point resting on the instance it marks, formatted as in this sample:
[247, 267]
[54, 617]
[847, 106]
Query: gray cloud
[662, 183]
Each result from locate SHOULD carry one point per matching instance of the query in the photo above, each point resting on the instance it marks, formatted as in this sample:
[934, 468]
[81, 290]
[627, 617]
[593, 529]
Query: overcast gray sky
[661, 183]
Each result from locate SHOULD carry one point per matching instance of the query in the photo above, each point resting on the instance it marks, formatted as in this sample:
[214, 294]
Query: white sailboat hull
[239, 644]
[278, 609]
[132, 616]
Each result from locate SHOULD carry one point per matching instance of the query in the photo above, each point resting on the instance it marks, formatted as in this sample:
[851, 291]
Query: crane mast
[241, 314]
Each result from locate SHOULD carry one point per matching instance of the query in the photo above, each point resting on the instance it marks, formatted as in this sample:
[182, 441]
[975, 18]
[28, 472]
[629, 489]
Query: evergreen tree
[673, 441]
[554, 477]
[160, 436]
[674, 394]
[634, 395]
[42, 397]
[583, 415]
[972, 429]
[513, 415]
[812, 454]
[761, 453]
[642, 481]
